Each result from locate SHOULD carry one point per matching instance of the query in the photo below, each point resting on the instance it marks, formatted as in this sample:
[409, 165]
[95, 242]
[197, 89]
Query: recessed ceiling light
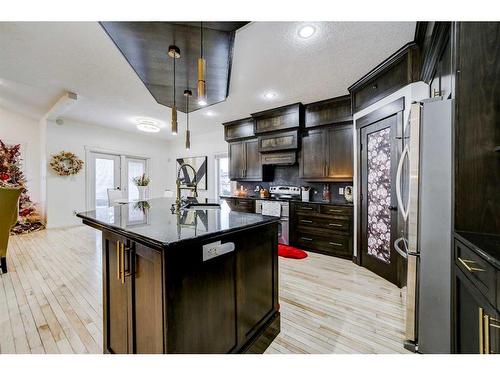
[306, 31]
[147, 125]
[270, 95]
[202, 102]
[210, 114]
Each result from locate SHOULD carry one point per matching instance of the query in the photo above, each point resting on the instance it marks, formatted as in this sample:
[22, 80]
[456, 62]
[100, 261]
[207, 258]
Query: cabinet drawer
[334, 245]
[479, 271]
[323, 223]
[335, 210]
[305, 207]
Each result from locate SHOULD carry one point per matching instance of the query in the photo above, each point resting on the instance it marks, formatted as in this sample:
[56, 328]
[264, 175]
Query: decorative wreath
[66, 163]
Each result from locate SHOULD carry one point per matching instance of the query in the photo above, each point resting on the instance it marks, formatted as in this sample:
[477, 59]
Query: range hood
[279, 158]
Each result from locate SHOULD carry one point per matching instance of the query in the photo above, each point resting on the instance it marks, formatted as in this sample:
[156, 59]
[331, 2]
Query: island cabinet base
[175, 300]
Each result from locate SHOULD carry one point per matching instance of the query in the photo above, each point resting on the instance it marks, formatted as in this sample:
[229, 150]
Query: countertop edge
[462, 236]
[158, 245]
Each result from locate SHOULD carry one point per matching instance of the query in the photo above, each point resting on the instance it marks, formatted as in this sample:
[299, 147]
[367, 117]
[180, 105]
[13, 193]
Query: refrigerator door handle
[404, 212]
[402, 252]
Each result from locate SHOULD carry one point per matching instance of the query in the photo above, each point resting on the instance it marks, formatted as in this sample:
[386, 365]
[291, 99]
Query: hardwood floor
[50, 300]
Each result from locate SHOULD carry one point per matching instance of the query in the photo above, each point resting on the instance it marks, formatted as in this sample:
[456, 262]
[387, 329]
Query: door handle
[398, 184]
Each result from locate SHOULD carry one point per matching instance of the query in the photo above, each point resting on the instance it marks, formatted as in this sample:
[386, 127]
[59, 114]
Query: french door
[113, 171]
[380, 147]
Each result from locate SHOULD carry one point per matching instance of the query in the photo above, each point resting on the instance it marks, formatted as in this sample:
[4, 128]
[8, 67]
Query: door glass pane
[136, 168]
[104, 180]
[379, 195]
[224, 183]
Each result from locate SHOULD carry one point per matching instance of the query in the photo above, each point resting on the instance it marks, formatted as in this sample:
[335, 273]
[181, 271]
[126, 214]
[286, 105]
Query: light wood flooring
[50, 300]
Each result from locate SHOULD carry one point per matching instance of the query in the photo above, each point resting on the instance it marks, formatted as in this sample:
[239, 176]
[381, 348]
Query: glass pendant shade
[174, 120]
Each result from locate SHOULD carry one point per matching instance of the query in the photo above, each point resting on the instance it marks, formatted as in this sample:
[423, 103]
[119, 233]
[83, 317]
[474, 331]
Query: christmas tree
[11, 175]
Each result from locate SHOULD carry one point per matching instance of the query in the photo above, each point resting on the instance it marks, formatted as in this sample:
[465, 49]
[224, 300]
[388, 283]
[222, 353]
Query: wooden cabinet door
[340, 153]
[477, 322]
[115, 297]
[313, 156]
[147, 309]
[236, 160]
[253, 167]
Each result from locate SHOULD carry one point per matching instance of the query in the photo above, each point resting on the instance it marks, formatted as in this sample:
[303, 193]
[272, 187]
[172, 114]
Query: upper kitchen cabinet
[238, 129]
[399, 70]
[245, 162]
[327, 154]
[328, 112]
[283, 118]
[436, 53]
[477, 129]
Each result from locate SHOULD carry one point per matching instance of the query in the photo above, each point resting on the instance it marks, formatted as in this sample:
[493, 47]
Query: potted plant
[142, 183]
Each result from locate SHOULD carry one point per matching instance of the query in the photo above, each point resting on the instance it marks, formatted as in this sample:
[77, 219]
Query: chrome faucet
[193, 186]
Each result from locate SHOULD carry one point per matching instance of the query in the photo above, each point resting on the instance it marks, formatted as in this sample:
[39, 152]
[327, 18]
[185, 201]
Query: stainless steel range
[278, 205]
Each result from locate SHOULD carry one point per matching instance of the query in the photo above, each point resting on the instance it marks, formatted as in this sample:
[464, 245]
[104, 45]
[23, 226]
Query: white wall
[16, 128]
[204, 144]
[67, 194]
[413, 92]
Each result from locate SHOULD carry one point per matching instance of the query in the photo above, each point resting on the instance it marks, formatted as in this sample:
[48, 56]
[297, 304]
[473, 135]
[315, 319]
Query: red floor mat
[286, 251]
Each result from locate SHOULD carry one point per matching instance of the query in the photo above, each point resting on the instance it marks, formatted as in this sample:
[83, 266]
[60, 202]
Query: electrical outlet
[341, 191]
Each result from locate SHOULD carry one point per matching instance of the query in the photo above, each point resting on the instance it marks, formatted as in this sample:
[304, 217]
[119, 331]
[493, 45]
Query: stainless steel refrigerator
[424, 190]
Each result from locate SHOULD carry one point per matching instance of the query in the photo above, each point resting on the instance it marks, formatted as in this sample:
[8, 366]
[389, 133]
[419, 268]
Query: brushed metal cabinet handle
[306, 238]
[122, 263]
[334, 225]
[306, 208]
[487, 334]
[118, 255]
[481, 331]
[306, 221]
[469, 268]
[332, 210]
[335, 243]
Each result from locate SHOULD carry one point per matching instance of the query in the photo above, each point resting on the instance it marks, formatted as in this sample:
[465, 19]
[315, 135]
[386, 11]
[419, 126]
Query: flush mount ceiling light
[210, 114]
[187, 94]
[202, 86]
[307, 31]
[270, 95]
[148, 126]
[175, 53]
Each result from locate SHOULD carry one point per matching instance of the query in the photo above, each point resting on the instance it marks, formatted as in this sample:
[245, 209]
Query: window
[222, 175]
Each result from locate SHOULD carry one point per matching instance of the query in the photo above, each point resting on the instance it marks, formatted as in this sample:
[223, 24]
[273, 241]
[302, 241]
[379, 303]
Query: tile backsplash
[289, 175]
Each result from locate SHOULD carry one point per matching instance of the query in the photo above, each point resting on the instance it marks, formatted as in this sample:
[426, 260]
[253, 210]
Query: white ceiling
[39, 61]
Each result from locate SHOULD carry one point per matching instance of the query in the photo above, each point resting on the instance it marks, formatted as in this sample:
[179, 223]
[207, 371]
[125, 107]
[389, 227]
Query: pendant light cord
[187, 111]
[201, 44]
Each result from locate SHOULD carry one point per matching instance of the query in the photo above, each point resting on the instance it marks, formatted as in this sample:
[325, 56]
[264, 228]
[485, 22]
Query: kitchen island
[200, 280]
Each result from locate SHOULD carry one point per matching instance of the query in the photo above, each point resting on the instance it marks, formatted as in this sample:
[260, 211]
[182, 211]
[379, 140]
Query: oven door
[283, 231]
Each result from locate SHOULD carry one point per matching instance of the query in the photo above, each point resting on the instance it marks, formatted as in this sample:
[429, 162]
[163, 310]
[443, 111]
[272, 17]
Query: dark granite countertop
[154, 223]
[254, 197]
[488, 246]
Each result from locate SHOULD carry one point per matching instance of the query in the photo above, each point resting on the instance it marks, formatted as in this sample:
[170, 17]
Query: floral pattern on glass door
[379, 195]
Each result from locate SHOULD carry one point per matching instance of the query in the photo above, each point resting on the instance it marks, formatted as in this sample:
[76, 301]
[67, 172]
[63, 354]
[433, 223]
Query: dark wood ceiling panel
[144, 45]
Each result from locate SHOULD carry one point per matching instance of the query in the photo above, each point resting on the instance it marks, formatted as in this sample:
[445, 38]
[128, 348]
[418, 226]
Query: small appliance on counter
[264, 193]
[305, 192]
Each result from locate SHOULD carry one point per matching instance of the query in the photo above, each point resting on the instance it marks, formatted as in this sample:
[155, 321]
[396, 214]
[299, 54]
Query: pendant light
[187, 94]
[175, 53]
[202, 87]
